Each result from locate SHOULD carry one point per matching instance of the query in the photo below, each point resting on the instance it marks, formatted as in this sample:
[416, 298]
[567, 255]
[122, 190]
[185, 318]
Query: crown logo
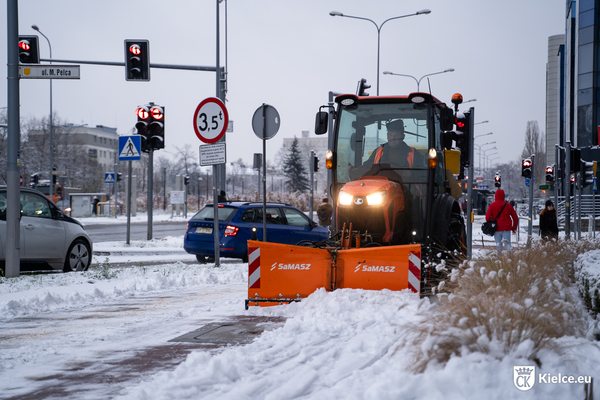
[524, 371]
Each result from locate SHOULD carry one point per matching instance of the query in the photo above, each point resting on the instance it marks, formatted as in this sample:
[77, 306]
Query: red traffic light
[497, 178]
[142, 112]
[135, 49]
[549, 170]
[24, 45]
[157, 112]
[527, 163]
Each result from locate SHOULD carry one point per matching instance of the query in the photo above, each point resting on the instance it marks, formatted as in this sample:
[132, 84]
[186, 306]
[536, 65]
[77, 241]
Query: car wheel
[79, 257]
[201, 259]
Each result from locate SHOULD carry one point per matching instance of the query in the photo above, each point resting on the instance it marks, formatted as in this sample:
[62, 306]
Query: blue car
[285, 224]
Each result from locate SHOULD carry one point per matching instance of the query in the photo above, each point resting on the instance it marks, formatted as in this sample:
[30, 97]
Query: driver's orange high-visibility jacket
[410, 157]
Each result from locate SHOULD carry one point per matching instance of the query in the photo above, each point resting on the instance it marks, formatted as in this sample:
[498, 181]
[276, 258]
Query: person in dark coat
[548, 222]
[222, 198]
[507, 220]
[324, 212]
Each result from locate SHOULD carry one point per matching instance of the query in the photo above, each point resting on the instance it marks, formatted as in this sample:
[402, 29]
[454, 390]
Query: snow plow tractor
[392, 176]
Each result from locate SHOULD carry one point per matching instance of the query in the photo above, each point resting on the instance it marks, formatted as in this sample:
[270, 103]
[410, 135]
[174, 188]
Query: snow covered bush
[518, 303]
[587, 273]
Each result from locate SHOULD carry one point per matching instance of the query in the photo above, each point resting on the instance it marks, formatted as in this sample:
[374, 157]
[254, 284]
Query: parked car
[285, 224]
[49, 239]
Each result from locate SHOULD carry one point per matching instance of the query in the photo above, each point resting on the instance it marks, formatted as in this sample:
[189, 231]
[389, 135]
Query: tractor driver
[395, 152]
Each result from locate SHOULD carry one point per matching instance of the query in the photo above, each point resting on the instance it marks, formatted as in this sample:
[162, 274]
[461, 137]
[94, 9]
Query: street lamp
[480, 151]
[482, 122]
[469, 101]
[339, 14]
[485, 134]
[419, 80]
[35, 27]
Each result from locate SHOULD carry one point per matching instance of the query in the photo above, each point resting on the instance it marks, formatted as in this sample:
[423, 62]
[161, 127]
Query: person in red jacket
[507, 220]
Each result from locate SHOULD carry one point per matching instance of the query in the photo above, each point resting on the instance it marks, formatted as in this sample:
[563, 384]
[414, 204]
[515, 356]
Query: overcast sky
[290, 54]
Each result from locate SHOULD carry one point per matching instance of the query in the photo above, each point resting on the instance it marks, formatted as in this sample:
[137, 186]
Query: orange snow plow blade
[279, 273]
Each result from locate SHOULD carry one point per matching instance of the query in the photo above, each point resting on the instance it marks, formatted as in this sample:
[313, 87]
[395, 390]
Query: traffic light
[186, 180]
[526, 165]
[35, 179]
[137, 60]
[575, 160]
[119, 176]
[29, 51]
[498, 180]
[315, 163]
[549, 174]
[157, 127]
[143, 117]
[362, 86]
[54, 176]
[587, 173]
[462, 136]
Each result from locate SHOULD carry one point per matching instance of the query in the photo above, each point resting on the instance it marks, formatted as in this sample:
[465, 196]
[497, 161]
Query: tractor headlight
[376, 199]
[345, 199]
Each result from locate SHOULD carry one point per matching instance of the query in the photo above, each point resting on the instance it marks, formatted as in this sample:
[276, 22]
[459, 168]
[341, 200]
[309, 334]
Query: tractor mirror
[446, 119]
[321, 122]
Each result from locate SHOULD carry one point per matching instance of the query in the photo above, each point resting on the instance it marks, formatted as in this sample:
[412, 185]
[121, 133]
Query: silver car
[49, 239]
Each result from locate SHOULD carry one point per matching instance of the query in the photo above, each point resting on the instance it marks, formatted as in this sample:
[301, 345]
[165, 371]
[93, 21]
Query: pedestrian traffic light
[119, 176]
[29, 51]
[462, 136]
[550, 174]
[137, 60]
[587, 173]
[186, 180]
[498, 180]
[526, 165]
[157, 127]
[362, 86]
[315, 163]
[143, 117]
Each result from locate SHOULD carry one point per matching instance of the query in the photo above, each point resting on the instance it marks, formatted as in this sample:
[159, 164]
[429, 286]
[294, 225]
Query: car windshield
[208, 213]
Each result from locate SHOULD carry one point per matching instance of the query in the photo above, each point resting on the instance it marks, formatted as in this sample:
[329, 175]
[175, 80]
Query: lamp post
[419, 80]
[489, 159]
[35, 27]
[339, 14]
[479, 149]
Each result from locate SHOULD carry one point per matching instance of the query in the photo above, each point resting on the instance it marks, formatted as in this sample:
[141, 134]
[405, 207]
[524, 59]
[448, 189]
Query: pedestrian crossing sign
[130, 148]
[109, 177]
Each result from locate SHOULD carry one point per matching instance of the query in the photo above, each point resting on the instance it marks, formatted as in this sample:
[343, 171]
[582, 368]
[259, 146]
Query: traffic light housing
[587, 173]
[54, 177]
[137, 60]
[186, 180]
[29, 49]
[157, 127]
[526, 165]
[362, 86]
[35, 179]
[315, 164]
[462, 136]
[142, 126]
[498, 180]
[550, 174]
[575, 160]
[119, 176]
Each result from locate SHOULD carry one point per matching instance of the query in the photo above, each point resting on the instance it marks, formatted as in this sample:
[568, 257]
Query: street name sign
[210, 120]
[46, 71]
[212, 154]
[130, 148]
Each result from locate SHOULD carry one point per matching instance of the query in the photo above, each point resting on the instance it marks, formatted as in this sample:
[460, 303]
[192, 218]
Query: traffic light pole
[471, 145]
[312, 186]
[567, 190]
[531, 184]
[150, 190]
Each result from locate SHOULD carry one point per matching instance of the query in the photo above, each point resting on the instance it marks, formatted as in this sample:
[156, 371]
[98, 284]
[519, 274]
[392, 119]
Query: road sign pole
[216, 217]
[531, 183]
[128, 201]
[115, 190]
[264, 177]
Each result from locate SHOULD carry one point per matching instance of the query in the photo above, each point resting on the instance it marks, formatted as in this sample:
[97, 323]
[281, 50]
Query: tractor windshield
[391, 136]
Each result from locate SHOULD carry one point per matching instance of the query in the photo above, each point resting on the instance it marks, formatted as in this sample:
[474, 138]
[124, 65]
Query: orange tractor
[392, 176]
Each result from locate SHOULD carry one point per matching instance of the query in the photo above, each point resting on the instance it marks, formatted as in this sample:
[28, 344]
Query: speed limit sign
[210, 120]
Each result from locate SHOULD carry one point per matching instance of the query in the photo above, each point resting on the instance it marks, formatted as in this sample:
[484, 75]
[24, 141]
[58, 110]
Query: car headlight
[345, 199]
[375, 199]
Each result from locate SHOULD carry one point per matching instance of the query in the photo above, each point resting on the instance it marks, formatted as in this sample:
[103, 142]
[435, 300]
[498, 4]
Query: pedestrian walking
[548, 222]
[324, 212]
[505, 217]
